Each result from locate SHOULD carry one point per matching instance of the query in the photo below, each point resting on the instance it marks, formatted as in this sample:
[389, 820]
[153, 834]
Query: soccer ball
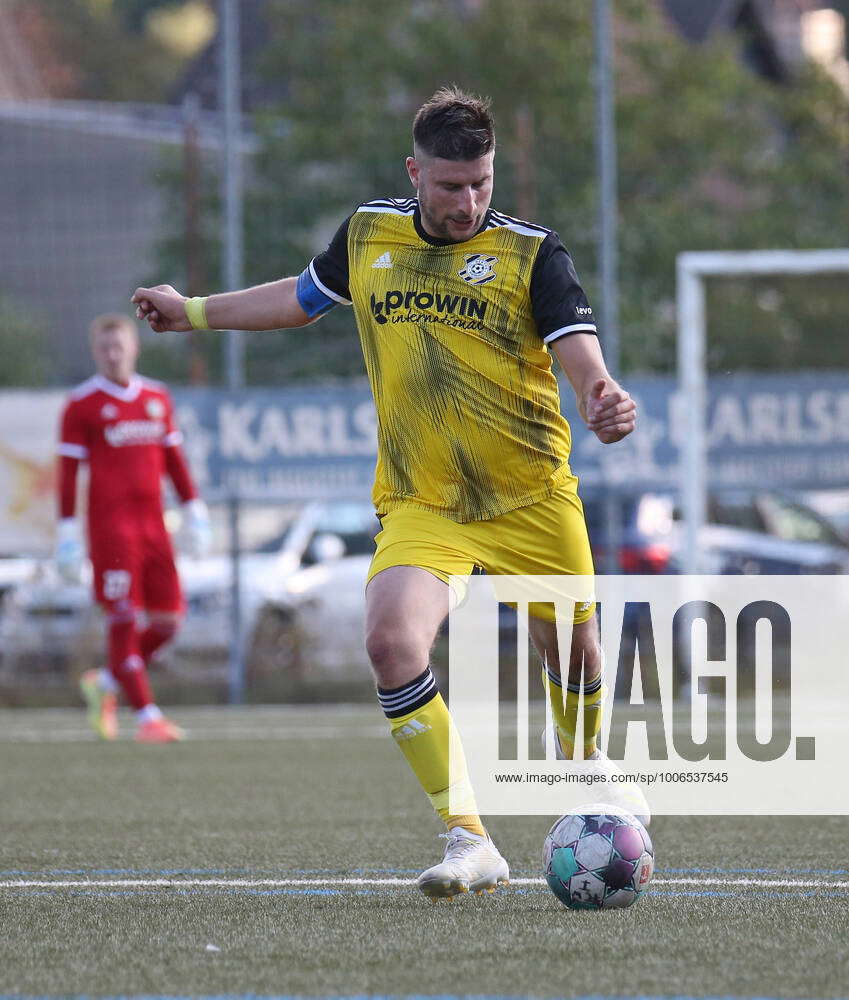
[598, 857]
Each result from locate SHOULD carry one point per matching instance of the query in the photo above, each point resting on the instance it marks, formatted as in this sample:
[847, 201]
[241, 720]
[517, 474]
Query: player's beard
[441, 228]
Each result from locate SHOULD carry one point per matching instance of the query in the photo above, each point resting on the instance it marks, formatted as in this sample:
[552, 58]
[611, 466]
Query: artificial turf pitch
[265, 818]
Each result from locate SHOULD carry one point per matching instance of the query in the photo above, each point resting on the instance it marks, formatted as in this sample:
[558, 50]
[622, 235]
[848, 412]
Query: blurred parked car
[747, 531]
[15, 570]
[302, 570]
[833, 506]
[45, 622]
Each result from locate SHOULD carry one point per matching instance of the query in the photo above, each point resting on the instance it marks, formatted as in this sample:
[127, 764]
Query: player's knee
[584, 660]
[550, 659]
[392, 649]
[165, 628]
[121, 618]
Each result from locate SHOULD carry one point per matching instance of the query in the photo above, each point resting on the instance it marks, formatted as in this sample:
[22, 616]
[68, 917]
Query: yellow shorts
[548, 538]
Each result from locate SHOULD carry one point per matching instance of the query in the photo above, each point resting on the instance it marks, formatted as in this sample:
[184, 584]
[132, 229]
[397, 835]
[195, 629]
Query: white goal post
[691, 270]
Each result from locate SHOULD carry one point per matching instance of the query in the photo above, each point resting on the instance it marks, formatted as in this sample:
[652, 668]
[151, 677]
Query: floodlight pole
[608, 195]
[231, 193]
[608, 250]
[230, 87]
[692, 387]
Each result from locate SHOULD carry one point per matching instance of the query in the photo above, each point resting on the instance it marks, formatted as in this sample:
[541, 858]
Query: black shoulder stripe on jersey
[405, 206]
[504, 217]
[500, 219]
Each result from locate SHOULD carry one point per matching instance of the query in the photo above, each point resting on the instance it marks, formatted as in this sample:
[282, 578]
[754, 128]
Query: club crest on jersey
[109, 411]
[478, 268]
[154, 408]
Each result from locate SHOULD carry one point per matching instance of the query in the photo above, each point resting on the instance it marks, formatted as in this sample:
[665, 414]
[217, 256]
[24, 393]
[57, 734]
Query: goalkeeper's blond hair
[112, 321]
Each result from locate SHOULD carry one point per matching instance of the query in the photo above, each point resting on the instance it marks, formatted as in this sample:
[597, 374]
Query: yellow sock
[424, 732]
[565, 710]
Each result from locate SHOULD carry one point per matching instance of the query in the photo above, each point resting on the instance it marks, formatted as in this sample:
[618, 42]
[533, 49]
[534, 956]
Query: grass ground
[269, 855]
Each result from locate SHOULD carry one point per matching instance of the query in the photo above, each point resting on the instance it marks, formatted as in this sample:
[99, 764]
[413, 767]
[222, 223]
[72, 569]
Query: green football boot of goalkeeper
[102, 706]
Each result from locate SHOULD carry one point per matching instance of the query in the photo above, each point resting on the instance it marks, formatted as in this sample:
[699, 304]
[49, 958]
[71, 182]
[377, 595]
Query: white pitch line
[168, 883]
[777, 883]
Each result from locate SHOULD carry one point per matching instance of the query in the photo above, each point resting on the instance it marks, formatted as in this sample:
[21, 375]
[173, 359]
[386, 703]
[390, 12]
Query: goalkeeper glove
[70, 555]
[197, 529]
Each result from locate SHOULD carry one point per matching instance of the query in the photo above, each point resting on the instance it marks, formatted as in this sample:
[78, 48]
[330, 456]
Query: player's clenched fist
[610, 412]
[163, 307]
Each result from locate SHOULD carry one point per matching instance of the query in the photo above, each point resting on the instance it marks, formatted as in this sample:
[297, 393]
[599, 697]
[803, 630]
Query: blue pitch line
[793, 894]
[200, 891]
[751, 871]
[382, 871]
[264, 872]
[531, 873]
[724, 871]
[711, 892]
[116, 893]
[133, 871]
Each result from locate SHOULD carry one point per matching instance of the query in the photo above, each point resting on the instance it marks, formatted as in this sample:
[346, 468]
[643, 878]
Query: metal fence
[84, 208]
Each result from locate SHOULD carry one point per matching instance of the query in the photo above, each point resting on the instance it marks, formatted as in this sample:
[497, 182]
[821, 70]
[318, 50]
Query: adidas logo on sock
[410, 729]
[384, 260]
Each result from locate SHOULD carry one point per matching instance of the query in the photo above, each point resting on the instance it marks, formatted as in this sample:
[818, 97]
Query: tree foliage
[133, 13]
[713, 158]
[24, 346]
[109, 52]
[710, 157]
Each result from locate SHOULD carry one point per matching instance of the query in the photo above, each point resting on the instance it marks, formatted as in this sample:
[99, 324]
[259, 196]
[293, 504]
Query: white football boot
[470, 863]
[625, 795]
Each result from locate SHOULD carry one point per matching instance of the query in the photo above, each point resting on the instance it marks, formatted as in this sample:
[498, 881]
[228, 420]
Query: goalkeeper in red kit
[123, 426]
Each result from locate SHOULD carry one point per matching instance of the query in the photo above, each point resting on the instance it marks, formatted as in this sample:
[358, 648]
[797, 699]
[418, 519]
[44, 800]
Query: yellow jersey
[455, 338]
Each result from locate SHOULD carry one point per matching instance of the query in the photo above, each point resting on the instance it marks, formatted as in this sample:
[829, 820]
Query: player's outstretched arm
[605, 406]
[272, 306]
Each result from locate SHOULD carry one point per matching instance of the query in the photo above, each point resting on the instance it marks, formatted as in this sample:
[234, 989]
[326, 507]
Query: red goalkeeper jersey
[123, 433]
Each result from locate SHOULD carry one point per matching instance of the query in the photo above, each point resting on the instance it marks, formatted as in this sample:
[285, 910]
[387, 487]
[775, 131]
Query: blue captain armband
[311, 298]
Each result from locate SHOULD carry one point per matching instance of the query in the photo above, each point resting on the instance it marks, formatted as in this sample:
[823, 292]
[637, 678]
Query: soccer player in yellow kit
[459, 309]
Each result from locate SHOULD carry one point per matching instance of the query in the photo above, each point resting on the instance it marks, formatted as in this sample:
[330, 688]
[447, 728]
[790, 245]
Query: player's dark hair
[454, 125]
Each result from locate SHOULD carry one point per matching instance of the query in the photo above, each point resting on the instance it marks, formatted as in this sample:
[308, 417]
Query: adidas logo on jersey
[384, 260]
[411, 729]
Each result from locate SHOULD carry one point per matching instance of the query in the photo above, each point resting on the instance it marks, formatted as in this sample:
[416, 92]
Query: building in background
[81, 206]
[824, 39]
[30, 67]
[777, 35]
[81, 210]
[258, 90]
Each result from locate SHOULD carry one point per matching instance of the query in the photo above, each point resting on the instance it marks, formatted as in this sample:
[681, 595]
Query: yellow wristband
[196, 313]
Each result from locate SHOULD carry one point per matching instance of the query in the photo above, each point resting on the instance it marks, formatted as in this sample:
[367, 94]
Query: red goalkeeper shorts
[133, 566]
